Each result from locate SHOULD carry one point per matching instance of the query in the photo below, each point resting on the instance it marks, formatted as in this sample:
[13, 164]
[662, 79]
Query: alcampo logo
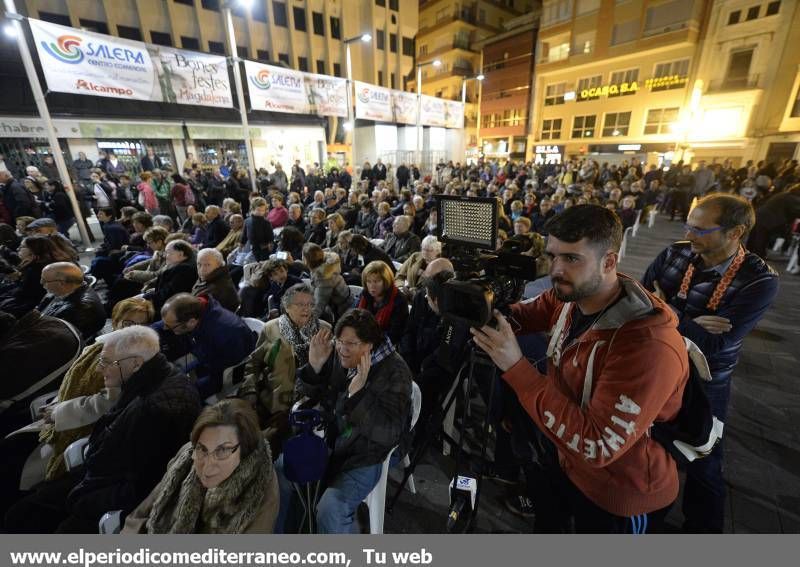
[261, 80]
[363, 95]
[68, 49]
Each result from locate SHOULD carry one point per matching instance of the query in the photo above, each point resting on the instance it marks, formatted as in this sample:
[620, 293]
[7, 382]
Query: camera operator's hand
[320, 349]
[500, 344]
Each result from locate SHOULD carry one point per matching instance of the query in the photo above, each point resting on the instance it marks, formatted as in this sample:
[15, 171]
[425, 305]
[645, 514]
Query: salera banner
[404, 106]
[276, 89]
[80, 62]
[432, 111]
[373, 103]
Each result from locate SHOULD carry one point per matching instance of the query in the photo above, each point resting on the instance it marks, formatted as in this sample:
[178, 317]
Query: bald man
[71, 299]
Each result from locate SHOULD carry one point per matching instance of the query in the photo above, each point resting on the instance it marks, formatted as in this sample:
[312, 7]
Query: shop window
[161, 38]
[752, 13]
[299, 18]
[284, 58]
[216, 47]
[734, 17]
[551, 129]
[554, 94]
[190, 43]
[394, 5]
[336, 31]
[131, 33]
[625, 31]
[773, 8]
[214, 153]
[94, 26]
[302, 63]
[262, 55]
[380, 3]
[380, 39]
[279, 13]
[60, 19]
[593, 82]
[129, 152]
[619, 77]
[408, 46]
[318, 21]
[583, 126]
[660, 120]
[393, 42]
[616, 124]
[320, 67]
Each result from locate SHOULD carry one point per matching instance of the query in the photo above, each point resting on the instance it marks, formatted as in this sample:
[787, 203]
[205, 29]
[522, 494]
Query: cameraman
[616, 364]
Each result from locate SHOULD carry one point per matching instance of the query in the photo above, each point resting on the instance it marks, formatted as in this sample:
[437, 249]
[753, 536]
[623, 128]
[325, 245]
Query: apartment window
[190, 42]
[734, 17]
[258, 11]
[557, 11]
[773, 8]
[583, 126]
[94, 26]
[337, 69]
[210, 5]
[583, 43]
[668, 16]
[184, 2]
[380, 3]
[241, 51]
[380, 39]
[752, 13]
[555, 50]
[517, 116]
[161, 38]
[796, 106]
[738, 69]
[216, 47]
[616, 124]
[302, 63]
[551, 129]
[262, 55]
[320, 67]
[127, 32]
[423, 49]
[586, 7]
[336, 32]
[64, 20]
[299, 18]
[279, 13]
[678, 67]
[392, 81]
[660, 120]
[628, 76]
[394, 5]
[554, 94]
[318, 20]
[393, 42]
[408, 46]
[283, 57]
[625, 32]
[588, 83]
[380, 78]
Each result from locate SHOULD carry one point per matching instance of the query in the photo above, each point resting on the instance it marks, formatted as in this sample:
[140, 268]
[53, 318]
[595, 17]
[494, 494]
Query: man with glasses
[719, 291]
[129, 447]
[69, 298]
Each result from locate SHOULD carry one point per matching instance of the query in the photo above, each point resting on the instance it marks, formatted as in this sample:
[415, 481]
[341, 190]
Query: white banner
[328, 94]
[432, 113]
[453, 114]
[276, 89]
[80, 62]
[373, 103]
[404, 106]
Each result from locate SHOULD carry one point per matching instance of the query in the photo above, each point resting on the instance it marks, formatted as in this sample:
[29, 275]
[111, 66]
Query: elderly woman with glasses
[281, 348]
[221, 482]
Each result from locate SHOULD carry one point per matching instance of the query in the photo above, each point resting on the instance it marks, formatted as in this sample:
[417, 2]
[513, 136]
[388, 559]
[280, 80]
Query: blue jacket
[746, 300]
[115, 237]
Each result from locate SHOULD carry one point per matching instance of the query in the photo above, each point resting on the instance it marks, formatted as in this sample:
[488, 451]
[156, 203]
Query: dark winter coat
[83, 308]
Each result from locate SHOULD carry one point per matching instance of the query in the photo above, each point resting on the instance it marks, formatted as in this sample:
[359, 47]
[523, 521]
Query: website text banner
[453, 114]
[373, 103]
[328, 95]
[404, 106]
[276, 89]
[472, 550]
[432, 111]
[80, 62]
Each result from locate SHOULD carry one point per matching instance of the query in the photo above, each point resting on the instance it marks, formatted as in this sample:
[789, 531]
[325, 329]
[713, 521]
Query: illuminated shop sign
[547, 154]
[668, 82]
[611, 90]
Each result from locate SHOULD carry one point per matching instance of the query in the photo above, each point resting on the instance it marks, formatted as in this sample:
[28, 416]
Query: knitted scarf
[384, 312]
[184, 506]
[299, 338]
[82, 379]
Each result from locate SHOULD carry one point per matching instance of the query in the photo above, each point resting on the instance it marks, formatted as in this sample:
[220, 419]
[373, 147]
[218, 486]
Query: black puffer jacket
[83, 308]
[219, 285]
[747, 298]
[376, 416]
[131, 445]
[179, 278]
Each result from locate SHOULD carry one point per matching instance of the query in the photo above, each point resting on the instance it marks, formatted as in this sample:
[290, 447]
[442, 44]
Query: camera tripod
[462, 383]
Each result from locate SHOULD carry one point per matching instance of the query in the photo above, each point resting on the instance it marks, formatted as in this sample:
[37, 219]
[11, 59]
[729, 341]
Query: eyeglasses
[125, 323]
[347, 344]
[176, 326]
[221, 453]
[701, 231]
[304, 305]
[103, 362]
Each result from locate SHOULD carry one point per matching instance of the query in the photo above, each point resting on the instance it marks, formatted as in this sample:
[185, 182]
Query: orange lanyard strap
[722, 285]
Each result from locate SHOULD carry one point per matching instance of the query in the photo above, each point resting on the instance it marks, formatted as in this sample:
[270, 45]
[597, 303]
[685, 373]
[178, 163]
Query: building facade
[307, 35]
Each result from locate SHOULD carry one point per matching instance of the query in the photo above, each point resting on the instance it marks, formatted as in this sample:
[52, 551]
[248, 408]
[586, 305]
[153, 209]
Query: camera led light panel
[471, 222]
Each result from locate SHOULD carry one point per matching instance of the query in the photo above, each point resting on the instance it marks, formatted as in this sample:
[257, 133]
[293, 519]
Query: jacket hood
[330, 267]
[638, 308]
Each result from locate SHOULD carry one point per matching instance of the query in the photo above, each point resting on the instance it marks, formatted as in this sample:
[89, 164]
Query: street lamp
[350, 125]
[435, 63]
[479, 77]
[237, 79]
[10, 31]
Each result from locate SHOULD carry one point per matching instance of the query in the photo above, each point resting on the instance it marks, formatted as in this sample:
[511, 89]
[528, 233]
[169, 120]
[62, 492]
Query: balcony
[729, 84]
[464, 15]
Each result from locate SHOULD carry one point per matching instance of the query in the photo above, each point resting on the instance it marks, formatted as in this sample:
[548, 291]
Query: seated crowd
[228, 307]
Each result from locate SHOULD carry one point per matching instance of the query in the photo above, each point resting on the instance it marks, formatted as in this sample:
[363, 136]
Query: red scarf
[384, 313]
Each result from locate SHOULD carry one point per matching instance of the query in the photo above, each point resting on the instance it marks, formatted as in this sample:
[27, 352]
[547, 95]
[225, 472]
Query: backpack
[694, 431]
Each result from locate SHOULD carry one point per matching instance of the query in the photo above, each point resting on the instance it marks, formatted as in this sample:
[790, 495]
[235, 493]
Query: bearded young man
[616, 365]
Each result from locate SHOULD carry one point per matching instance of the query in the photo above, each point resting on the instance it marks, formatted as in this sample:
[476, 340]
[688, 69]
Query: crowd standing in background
[324, 284]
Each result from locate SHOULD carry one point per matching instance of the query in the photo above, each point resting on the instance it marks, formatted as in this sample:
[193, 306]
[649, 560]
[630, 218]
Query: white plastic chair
[229, 381]
[254, 324]
[355, 294]
[651, 217]
[397, 264]
[623, 249]
[111, 522]
[41, 401]
[90, 279]
[75, 453]
[416, 408]
[85, 269]
[636, 223]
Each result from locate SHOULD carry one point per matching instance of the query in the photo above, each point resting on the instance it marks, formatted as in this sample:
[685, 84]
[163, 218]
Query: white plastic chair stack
[111, 522]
